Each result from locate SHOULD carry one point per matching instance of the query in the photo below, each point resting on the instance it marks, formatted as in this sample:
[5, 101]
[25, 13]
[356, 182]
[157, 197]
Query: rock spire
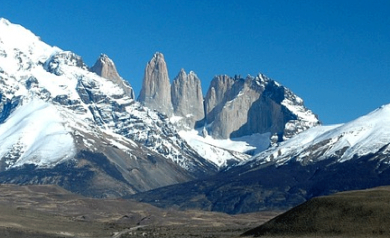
[155, 92]
[187, 98]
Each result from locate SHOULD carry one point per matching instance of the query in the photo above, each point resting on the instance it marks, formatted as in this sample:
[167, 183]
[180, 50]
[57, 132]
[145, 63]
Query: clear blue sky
[333, 54]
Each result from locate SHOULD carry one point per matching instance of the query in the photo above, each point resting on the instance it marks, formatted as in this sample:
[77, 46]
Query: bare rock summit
[105, 68]
[187, 99]
[156, 88]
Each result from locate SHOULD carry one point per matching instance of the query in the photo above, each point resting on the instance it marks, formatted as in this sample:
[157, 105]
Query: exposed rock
[187, 99]
[155, 92]
[216, 96]
[105, 68]
[258, 105]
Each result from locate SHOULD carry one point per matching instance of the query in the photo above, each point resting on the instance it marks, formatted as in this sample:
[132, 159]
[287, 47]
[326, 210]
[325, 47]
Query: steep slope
[320, 161]
[258, 104]
[63, 124]
[361, 213]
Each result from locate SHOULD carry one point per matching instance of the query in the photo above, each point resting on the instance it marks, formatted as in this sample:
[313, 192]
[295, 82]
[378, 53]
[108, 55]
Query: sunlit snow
[221, 151]
[365, 135]
[37, 130]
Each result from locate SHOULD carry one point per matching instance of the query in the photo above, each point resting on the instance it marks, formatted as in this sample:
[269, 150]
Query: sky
[335, 55]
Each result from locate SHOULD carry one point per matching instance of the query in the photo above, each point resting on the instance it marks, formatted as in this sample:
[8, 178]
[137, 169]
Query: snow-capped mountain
[54, 110]
[367, 135]
[319, 161]
[65, 123]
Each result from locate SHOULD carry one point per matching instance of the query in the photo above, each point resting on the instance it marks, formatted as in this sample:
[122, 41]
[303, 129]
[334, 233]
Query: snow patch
[221, 151]
[37, 129]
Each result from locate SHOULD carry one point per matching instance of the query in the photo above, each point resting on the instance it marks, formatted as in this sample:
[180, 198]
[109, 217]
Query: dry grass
[50, 211]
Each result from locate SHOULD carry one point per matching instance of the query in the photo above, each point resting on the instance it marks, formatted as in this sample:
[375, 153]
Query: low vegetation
[48, 211]
[362, 213]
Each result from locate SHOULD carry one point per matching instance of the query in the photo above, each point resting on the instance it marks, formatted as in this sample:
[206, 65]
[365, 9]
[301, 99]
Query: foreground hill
[362, 213]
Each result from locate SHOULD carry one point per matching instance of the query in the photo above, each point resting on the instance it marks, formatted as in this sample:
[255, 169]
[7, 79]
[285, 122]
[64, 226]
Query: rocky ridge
[258, 104]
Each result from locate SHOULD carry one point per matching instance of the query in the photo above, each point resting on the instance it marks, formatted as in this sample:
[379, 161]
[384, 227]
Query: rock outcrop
[258, 105]
[105, 68]
[217, 95]
[156, 88]
[187, 99]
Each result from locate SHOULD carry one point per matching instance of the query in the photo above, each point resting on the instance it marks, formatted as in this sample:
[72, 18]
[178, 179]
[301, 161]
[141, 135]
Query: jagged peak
[158, 57]
[104, 58]
[182, 74]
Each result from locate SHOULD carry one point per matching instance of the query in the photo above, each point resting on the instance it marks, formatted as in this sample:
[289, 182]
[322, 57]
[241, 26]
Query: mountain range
[320, 161]
[80, 127]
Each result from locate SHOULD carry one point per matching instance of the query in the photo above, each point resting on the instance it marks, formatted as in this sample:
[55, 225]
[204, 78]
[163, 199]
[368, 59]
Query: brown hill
[360, 213]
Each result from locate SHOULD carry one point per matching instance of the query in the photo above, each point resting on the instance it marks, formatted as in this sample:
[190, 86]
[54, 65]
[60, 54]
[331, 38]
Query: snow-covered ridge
[35, 134]
[15, 39]
[365, 135]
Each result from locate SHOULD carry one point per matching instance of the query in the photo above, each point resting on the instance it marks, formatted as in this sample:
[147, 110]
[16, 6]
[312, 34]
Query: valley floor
[48, 211]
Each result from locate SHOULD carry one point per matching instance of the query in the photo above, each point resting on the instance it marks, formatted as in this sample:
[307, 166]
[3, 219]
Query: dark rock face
[187, 99]
[105, 68]
[156, 88]
[7, 106]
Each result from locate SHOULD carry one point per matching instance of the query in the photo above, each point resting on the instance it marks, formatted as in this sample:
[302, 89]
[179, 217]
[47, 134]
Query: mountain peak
[187, 99]
[105, 67]
[104, 58]
[182, 74]
[155, 92]
[158, 56]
